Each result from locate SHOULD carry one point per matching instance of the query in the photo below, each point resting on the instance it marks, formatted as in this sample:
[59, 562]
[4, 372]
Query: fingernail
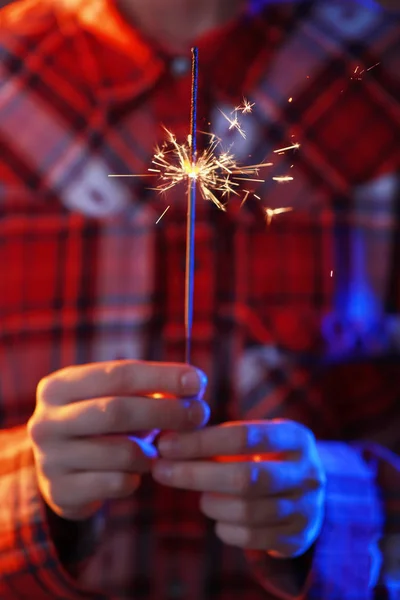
[199, 413]
[194, 383]
[162, 471]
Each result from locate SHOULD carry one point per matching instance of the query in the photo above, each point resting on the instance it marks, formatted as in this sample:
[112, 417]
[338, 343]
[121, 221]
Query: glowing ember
[283, 179]
[270, 213]
[282, 150]
[245, 108]
[358, 73]
[234, 123]
[163, 215]
[217, 172]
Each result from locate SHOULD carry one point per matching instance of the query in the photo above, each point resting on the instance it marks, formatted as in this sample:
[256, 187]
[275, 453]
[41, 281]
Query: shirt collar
[125, 64]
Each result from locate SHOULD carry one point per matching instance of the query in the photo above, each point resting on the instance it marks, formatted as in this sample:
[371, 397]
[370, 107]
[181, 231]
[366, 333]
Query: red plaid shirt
[297, 320]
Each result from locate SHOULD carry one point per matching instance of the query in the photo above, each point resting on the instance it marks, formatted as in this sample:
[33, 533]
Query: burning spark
[270, 213]
[359, 73]
[331, 273]
[283, 179]
[217, 172]
[246, 195]
[163, 215]
[290, 100]
[282, 150]
[234, 124]
[245, 108]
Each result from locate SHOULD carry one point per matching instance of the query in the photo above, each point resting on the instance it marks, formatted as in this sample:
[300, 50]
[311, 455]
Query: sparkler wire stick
[191, 214]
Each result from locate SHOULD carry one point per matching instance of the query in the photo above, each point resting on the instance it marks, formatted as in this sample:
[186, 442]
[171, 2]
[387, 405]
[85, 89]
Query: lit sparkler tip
[216, 171]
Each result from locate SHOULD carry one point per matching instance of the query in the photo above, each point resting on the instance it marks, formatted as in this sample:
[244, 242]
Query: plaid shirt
[299, 319]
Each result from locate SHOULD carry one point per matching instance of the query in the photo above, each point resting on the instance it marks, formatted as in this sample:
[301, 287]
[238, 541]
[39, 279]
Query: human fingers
[249, 512]
[121, 378]
[66, 411]
[77, 496]
[117, 461]
[276, 541]
[122, 414]
[296, 527]
[235, 439]
[124, 454]
[248, 479]
[283, 526]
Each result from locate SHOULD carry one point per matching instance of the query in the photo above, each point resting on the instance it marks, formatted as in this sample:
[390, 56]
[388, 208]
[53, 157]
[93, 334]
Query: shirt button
[180, 66]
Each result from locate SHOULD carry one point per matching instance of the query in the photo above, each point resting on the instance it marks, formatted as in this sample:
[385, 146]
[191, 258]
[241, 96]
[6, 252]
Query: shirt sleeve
[357, 554]
[29, 563]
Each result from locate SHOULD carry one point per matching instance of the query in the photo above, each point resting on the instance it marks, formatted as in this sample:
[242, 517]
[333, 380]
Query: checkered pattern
[297, 320]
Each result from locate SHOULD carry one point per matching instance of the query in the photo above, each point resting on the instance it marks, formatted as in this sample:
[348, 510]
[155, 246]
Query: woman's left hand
[262, 482]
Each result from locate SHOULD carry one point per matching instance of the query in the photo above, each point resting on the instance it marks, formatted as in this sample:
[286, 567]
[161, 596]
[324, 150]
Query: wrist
[74, 541]
[286, 578]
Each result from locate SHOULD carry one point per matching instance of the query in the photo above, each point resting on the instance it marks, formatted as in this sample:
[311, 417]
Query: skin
[80, 428]
[158, 19]
[261, 482]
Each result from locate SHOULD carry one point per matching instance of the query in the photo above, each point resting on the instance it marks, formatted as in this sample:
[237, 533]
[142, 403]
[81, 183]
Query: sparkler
[191, 216]
[215, 173]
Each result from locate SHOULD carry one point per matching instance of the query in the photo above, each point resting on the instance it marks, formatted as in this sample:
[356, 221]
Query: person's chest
[97, 276]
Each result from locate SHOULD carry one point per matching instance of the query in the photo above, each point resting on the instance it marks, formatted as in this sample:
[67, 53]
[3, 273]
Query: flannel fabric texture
[297, 319]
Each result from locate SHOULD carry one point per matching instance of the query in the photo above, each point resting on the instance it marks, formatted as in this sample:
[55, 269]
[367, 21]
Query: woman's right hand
[84, 414]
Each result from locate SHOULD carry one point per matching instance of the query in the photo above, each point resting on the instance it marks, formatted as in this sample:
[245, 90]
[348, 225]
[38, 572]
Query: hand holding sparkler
[81, 430]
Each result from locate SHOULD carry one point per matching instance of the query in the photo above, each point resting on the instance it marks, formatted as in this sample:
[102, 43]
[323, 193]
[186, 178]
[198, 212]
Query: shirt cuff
[345, 562]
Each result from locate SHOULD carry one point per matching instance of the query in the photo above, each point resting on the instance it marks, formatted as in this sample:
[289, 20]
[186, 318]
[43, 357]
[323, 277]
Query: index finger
[235, 439]
[125, 415]
[121, 378]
